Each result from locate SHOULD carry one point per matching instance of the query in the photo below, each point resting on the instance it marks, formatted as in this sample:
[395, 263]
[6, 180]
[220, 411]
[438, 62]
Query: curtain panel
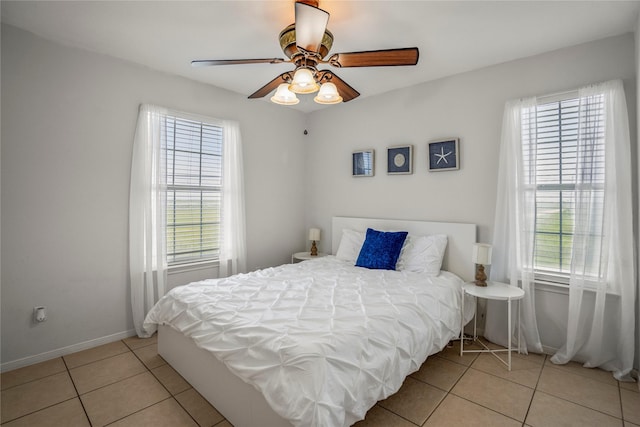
[601, 310]
[601, 326]
[147, 214]
[233, 247]
[513, 239]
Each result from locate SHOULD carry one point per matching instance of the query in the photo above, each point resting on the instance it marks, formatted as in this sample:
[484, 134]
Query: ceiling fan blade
[346, 92]
[272, 85]
[208, 62]
[375, 58]
[310, 25]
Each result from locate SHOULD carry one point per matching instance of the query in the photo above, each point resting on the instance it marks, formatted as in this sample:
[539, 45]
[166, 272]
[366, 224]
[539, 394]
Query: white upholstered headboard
[461, 238]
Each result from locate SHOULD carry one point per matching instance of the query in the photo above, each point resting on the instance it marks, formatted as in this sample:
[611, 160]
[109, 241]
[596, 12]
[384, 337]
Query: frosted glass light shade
[284, 96]
[481, 254]
[328, 94]
[303, 82]
[314, 234]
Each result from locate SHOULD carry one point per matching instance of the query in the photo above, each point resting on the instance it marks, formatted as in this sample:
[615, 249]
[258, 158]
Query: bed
[324, 341]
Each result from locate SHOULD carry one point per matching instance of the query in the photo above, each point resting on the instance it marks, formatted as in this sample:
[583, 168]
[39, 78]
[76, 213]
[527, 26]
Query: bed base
[237, 401]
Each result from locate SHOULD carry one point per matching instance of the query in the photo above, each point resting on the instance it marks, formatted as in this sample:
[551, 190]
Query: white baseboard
[48, 355]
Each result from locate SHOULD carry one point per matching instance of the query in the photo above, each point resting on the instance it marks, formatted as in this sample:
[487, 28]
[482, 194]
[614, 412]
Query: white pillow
[350, 245]
[423, 254]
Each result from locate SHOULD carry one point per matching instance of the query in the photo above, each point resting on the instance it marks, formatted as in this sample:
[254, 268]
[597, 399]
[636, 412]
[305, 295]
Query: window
[184, 170]
[194, 179]
[550, 150]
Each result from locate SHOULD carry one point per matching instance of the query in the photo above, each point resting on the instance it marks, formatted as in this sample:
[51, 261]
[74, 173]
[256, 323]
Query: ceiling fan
[306, 43]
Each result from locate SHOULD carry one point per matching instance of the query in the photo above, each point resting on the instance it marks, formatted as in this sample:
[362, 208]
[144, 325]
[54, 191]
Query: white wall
[68, 123]
[468, 106]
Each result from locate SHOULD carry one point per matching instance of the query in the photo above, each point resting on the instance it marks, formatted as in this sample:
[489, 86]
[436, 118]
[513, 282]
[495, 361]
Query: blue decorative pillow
[381, 249]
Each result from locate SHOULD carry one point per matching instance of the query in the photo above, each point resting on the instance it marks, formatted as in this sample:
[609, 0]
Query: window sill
[192, 266]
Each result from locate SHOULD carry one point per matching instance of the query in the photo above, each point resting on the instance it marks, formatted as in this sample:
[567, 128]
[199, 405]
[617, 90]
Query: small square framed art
[444, 155]
[362, 163]
[400, 160]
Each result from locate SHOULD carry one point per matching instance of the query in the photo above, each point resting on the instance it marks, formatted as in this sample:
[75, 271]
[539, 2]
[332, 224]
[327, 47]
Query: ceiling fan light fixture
[303, 82]
[284, 96]
[307, 43]
[328, 94]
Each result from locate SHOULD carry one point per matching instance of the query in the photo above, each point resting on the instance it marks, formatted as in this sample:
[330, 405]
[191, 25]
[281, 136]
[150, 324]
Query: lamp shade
[284, 96]
[303, 82]
[314, 234]
[328, 94]
[481, 254]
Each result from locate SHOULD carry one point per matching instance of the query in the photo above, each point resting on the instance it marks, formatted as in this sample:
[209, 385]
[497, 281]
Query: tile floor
[126, 383]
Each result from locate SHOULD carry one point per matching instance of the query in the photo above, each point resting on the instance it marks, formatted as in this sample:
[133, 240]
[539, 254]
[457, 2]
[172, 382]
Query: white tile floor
[126, 383]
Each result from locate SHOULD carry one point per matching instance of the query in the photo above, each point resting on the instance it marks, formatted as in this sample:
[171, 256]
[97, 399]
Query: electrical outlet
[39, 314]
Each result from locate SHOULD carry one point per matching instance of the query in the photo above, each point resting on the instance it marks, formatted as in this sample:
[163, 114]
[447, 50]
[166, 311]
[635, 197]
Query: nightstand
[493, 291]
[303, 256]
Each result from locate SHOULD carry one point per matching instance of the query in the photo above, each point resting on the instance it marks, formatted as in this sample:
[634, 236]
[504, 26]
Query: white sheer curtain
[601, 328]
[233, 248]
[513, 239]
[148, 206]
[147, 215]
[602, 284]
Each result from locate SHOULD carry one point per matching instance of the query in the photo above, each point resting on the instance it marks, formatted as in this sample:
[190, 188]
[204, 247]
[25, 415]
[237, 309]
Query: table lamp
[481, 257]
[314, 235]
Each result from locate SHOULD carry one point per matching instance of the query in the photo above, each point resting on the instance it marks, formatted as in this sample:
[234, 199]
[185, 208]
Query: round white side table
[493, 291]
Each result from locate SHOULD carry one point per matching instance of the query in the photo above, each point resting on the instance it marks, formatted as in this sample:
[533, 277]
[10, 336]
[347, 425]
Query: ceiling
[453, 36]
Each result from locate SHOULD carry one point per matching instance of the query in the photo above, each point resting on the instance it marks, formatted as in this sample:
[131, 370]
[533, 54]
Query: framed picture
[444, 155]
[362, 163]
[399, 159]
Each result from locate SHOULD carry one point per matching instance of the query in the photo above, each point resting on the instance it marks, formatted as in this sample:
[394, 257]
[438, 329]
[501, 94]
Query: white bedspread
[322, 340]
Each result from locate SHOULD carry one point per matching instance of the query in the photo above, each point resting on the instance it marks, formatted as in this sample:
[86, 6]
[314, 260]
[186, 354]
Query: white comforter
[322, 340]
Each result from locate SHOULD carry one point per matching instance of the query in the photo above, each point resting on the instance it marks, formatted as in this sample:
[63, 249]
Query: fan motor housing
[288, 42]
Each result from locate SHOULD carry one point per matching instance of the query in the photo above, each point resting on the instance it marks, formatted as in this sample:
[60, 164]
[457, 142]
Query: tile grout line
[431, 385]
[139, 410]
[470, 366]
[171, 396]
[394, 413]
[38, 410]
[507, 379]
[559, 368]
[77, 396]
[130, 350]
[535, 390]
[621, 406]
[37, 379]
[445, 397]
[580, 404]
[77, 393]
[466, 368]
[98, 360]
[489, 409]
[66, 367]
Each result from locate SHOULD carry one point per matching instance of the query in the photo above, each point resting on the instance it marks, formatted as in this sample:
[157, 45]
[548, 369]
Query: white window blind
[553, 135]
[194, 179]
